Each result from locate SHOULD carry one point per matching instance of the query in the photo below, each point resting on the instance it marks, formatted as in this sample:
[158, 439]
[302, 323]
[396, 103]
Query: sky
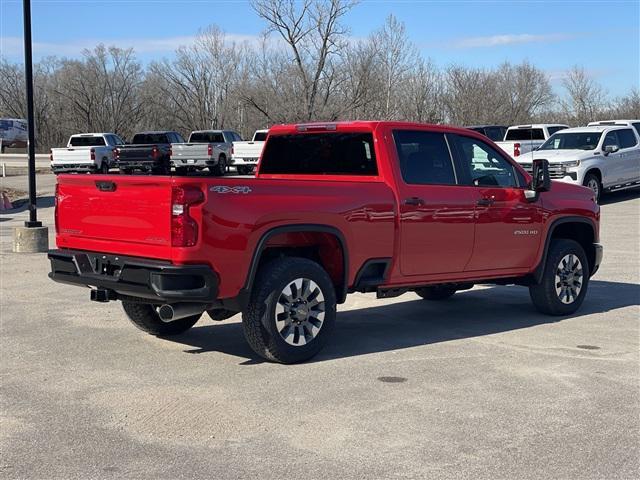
[601, 36]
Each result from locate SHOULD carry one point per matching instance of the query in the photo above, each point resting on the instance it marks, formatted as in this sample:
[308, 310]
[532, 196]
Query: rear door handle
[415, 201]
[485, 202]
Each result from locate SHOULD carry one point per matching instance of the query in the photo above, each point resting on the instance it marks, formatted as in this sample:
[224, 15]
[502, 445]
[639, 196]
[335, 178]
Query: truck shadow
[620, 196]
[416, 322]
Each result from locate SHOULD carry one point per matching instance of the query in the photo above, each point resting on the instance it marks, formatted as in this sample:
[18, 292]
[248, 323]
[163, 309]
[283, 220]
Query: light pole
[33, 237]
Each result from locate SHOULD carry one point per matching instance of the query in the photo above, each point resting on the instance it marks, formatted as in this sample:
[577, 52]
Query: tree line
[304, 67]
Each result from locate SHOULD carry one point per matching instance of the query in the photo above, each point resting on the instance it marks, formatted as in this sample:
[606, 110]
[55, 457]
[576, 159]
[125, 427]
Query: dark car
[148, 152]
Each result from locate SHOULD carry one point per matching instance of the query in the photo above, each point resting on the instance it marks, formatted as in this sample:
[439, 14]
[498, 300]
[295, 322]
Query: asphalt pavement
[478, 387]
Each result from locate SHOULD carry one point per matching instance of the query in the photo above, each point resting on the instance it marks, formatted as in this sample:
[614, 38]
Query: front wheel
[145, 317]
[593, 182]
[291, 312]
[564, 281]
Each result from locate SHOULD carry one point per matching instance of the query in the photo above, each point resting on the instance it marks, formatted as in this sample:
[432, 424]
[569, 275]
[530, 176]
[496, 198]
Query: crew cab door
[436, 214]
[508, 228]
[629, 155]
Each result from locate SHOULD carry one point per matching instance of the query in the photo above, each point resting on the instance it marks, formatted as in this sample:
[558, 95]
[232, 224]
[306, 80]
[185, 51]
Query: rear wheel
[565, 279]
[220, 168]
[436, 293]
[182, 170]
[104, 167]
[592, 181]
[145, 317]
[243, 170]
[291, 312]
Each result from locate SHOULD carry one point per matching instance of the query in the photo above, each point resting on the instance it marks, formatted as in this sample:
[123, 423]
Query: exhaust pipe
[176, 311]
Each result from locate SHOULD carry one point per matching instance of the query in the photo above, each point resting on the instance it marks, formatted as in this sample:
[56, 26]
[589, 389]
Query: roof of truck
[539, 125]
[360, 124]
[593, 128]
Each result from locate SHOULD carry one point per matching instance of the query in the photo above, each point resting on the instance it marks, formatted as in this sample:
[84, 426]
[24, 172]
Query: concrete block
[30, 239]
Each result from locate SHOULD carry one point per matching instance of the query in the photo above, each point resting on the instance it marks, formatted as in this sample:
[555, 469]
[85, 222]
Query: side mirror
[611, 149]
[541, 181]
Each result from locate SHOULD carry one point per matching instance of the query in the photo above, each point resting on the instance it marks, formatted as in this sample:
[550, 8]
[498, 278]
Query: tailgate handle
[106, 186]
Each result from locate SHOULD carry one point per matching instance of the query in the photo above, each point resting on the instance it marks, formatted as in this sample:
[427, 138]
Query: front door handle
[415, 201]
[485, 202]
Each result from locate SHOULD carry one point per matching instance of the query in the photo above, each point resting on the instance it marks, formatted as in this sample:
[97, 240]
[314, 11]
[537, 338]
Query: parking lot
[481, 386]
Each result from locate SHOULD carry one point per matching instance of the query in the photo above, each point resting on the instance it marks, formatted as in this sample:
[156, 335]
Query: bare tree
[313, 32]
[585, 98]
[525, 91]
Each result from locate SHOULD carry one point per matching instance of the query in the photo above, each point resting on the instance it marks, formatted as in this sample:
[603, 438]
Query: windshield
[149, 138]
[572, 141]
[87, 141]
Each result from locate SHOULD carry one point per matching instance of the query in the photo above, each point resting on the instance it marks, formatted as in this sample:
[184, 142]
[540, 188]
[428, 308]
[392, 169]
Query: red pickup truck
[335, 208]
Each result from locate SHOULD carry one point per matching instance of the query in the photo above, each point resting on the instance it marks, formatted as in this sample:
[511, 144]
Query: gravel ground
[481, 386]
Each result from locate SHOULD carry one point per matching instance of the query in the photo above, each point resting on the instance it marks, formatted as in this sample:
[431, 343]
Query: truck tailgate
[115, 214]
[71, 155]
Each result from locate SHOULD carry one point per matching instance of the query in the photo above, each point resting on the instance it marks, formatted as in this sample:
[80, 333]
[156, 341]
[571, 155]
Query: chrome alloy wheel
[594, 186]
[300, 312]
[569, 278]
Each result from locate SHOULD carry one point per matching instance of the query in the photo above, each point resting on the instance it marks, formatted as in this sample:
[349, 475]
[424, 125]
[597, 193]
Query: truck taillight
[209, 150]
[116, 154]
[55, 208]
[154, 152]
[51, 155]
[516, 149]
[184, 229]
[170, 150]
[93, 154]
[232, 150]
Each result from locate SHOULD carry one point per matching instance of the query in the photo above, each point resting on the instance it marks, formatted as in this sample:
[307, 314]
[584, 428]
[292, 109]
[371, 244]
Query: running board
[625, 186]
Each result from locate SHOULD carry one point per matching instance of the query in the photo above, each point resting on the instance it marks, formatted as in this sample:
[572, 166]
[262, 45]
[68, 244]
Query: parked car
[86, 152]
[604, 158]
[626, 123]
[13, 133]
[493, 132]
[521, 140]
[148, 152]
[385, 207]
[246, 154]
[210, 149]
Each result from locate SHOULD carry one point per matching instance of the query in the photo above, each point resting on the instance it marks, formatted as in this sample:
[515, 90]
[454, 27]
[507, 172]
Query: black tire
[545, 295]
[219, 314]
[592, 181]
[436, 293]
[243, 170]
[182, 170]
[161, 170]
[104, 167]
[145, 317]
[259, 318]
[220, 168]
[126, 171]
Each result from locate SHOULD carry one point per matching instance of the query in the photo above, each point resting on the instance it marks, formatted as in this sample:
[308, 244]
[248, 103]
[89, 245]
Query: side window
[553, 130]
[627, 138]
[611, 139]
[486, 167]
[424, 158]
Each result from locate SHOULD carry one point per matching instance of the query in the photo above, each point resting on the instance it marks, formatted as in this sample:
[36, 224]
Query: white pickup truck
[521, 140]
[86, 152]
[210, 149]
[246, 154]
[604, 158]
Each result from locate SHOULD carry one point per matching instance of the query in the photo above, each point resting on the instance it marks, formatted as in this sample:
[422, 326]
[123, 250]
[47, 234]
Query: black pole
[31, 146]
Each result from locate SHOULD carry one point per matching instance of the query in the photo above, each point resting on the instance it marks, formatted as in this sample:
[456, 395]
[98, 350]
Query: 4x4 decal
[225, 189]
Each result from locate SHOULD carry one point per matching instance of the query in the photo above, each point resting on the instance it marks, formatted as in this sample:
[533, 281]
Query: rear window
[636, 125]
[320, 154]
[260, 137]
[495, 133]
[149, 138]
[206, 137]
[524, 134]
[553, 130]
[87, 141]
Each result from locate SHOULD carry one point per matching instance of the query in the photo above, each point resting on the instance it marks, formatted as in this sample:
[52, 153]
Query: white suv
[603, 158]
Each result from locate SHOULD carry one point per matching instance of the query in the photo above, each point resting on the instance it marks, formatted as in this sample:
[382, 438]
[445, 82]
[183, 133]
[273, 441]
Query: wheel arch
[286, 240]
[581, 229]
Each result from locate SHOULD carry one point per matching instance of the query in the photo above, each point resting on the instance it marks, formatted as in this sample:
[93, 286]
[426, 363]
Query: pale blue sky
[602, 36]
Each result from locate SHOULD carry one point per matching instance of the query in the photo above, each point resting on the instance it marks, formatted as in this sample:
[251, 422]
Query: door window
[610, 140]
[626, 138]
[485, 166]
[424, 158]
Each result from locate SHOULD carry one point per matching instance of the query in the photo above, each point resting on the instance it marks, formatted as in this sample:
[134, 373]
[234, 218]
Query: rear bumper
[154, 280]
[195, 162]
[141, 164]
[74, 167]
